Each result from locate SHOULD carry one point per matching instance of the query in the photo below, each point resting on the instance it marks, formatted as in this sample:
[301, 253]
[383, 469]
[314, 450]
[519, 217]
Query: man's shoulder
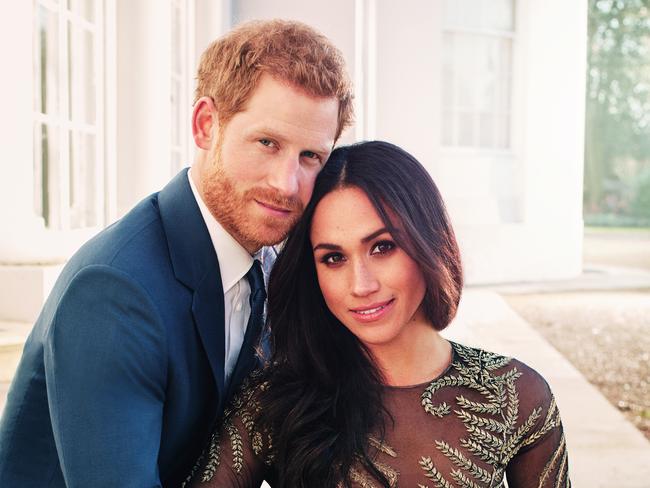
[136, 236]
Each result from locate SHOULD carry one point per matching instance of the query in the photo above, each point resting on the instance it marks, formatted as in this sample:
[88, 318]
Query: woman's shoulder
[498, 386]
[486, 366]
[488, 371]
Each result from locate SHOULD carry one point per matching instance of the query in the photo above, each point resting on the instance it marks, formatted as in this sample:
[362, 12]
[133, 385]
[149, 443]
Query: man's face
[262, 168]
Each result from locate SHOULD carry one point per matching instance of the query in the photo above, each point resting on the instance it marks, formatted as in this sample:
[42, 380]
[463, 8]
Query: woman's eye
[332, 259]
[383, 247]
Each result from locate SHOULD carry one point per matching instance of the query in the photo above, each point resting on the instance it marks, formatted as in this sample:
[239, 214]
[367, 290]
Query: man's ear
[204, 120]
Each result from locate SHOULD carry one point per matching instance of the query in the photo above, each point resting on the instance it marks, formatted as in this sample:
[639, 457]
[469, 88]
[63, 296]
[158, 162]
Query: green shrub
[640, 205]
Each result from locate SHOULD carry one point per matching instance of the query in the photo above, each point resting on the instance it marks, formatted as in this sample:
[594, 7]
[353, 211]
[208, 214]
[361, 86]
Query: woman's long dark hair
[325, 392]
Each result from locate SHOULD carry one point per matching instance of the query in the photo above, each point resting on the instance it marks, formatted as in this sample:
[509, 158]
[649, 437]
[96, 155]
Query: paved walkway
[605, 450]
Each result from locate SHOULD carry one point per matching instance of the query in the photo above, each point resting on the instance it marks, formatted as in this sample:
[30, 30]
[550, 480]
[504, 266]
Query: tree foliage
[617, 148]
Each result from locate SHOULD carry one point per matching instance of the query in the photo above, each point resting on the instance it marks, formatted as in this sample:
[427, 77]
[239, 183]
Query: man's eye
[266, 142]
[383, 247]
[311, 155]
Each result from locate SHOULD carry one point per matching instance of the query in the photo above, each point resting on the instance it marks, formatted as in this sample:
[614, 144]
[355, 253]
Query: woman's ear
[204, 121]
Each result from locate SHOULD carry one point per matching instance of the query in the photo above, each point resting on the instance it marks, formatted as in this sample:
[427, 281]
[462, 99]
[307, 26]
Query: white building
[96, 98]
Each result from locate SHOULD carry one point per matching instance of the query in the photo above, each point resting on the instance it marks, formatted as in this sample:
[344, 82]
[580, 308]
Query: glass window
[68, 167]
[478, 40]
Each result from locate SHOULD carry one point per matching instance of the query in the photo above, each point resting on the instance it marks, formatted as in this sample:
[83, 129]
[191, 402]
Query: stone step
[12, 339]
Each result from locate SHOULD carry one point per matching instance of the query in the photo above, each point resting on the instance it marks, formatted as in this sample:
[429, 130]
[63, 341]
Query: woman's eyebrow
[376, 233]
[336, 247]
[328, 246]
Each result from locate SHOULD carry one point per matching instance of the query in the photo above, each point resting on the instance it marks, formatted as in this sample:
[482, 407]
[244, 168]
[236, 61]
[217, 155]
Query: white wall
[547, 244]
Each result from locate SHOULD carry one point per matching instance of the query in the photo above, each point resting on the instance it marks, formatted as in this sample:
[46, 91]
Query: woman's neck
[415, 358]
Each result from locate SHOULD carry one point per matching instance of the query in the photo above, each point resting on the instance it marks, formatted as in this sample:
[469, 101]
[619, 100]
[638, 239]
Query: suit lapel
[208, 311]
[195, 264]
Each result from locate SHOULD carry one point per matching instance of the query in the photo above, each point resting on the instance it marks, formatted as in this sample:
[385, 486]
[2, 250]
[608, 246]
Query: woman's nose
[364, 281]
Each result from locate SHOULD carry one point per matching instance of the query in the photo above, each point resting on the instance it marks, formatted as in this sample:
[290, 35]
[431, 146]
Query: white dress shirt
[234, 263]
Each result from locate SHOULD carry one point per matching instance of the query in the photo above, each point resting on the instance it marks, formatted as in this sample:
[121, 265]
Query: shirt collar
[234, 260]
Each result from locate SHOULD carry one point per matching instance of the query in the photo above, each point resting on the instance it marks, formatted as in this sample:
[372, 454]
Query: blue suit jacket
[122, 376]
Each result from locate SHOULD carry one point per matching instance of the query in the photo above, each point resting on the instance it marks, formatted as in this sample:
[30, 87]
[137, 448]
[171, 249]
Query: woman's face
[371, 285]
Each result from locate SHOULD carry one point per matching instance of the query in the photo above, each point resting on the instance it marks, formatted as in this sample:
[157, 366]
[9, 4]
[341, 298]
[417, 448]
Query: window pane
[499, 14]
[479, 14]
[462, 13]
[46, 164]
[466, 136]
[84, 8]
[503, 132]
[486, 130]
[476, 82]
[448, 128]
[84, 181]
[465, 52]
[82, 74]
[486, 69]
[503, 99]
[448, 89]
[46, 61]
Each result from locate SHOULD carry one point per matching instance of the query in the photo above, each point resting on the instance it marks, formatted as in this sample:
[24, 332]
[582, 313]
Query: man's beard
[229, 206]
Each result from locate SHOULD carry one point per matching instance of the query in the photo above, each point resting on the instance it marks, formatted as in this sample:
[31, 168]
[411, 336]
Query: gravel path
[606, 335]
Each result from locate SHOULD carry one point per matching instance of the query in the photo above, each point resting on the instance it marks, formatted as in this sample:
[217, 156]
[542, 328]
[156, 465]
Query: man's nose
[364, 281]
[284, 176]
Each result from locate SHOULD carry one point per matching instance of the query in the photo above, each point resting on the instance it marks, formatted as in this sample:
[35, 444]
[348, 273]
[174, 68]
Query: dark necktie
[258, 295]
[246, 361]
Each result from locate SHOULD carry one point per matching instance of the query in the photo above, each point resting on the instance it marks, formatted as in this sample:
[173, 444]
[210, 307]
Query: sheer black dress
[485, 419]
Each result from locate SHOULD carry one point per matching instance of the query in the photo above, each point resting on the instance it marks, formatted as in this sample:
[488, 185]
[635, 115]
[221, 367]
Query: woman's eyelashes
[384, 246]
[380, 248]
[332, 258]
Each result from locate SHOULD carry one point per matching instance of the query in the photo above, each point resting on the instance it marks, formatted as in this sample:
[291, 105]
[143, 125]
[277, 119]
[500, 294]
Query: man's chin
[272, 240]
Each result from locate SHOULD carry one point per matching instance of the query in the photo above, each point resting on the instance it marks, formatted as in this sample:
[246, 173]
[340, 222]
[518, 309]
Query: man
[149, 327]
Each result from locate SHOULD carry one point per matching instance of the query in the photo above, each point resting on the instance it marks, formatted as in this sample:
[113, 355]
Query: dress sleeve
[541, 460]
[238, 453]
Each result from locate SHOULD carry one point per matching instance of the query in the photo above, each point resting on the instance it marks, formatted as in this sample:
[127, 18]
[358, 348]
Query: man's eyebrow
[273, 134]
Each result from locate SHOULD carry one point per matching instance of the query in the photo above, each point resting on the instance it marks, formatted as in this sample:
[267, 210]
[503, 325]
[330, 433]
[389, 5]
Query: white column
[25, 245]
[212, 19]
[143, 115]
[19, 239]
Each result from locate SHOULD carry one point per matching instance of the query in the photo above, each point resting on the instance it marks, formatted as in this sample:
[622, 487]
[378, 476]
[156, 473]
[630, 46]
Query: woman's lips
[372, 312]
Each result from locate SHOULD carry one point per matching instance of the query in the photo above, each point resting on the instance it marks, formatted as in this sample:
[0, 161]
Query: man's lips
[373, 311]
[274, 208]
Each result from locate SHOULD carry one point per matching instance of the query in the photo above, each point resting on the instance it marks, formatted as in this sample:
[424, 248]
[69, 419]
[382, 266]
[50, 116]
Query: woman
[361, 390]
